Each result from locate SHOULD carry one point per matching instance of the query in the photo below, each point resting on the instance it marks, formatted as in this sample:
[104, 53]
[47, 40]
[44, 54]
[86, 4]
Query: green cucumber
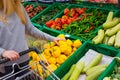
[66, 77]
[78, 69]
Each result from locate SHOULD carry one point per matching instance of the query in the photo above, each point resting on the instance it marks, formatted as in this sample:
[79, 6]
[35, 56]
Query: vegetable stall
[91, 50]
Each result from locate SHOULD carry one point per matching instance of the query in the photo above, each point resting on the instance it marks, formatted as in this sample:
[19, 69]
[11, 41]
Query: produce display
[82, 27]
[33, 10]
[110, 34]
[116, 73]
[81, 22]
[55, 54]
[42, 19]
[68, 17]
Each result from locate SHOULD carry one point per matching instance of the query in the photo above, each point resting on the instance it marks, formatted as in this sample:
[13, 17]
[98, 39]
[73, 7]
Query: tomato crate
[80, 53]
[49, 13]
[34, 8]
[111, 70]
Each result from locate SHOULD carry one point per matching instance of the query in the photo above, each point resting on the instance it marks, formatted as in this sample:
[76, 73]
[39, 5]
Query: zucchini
[91, 70]
[105, 40]
[113, 31]
[96, 60]
[78, 69]
[110, 16]
[112, 23]
[95, 74]
[117, 40]
[99, 38]
[111, 40]
[66, 77]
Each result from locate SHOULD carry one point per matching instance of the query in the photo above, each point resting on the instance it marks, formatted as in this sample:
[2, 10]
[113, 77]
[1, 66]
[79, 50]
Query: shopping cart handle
[21, 53]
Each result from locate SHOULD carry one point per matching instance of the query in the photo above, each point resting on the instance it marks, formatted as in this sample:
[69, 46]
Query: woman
[14, 24]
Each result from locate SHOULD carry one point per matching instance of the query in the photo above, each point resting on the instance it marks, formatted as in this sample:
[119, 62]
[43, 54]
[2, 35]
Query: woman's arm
[31, 30]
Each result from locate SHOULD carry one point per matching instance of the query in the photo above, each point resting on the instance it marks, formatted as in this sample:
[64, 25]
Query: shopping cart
[31, 74]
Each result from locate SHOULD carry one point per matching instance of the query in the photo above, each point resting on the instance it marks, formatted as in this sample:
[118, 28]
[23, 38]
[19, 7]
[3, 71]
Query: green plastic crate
[109, 69]
[50, 31]
[38, 26]
[48, 13]
[79, 54]
[35, 4]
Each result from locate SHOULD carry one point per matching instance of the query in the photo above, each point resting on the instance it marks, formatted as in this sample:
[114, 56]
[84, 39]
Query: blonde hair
[11, 6]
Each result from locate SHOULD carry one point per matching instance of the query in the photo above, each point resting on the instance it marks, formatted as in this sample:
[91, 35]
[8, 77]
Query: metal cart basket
[31, 74]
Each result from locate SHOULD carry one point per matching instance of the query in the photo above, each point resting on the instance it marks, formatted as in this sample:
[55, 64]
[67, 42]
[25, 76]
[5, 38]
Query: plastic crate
[50, 31]
[48, 13]
[64, 68]
[37, 8]
[109, 69]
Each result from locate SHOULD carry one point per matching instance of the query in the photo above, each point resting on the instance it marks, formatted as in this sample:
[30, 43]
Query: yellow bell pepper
[68, 51]
[56, 51]
[61, 59]
[69, 42]
[47, 52]
[77, 43]
[52, 60]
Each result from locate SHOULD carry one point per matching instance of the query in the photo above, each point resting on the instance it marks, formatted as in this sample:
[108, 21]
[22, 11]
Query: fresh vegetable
[78, 69]
[109, 17]
[95, 74]
[33, 10]
[99, 38]
[111, 40]
[96, 60]
[66, 77]
[117, 40]
[95, 68]
[113, 30]
[111, 24]
[68, 17]
[105, 40]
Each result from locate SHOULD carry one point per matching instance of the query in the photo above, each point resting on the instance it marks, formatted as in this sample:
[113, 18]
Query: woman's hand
[10, 54]
[57, 39]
